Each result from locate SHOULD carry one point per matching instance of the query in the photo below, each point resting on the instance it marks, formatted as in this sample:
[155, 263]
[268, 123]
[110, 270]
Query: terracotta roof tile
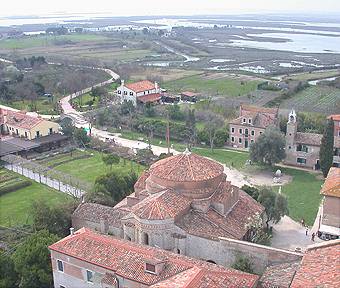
[141, 86]
[22, 120]
[127, 259]
[279, 276]
[249, 108]
[150, 98]
[308, 138]
[163, 205]
[335, 117]
[189, 94]
[320, 266]
[331, 187]
[186, 167]
[259, 119]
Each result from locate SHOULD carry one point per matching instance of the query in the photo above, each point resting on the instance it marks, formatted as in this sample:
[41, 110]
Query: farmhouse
[88, 259]
[180, 204]
[188, 96]
[139, 92]
[303, 149]
[250, 124]
[329, 226]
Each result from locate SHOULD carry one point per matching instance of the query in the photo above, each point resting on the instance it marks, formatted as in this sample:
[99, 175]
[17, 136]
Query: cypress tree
[326, 148]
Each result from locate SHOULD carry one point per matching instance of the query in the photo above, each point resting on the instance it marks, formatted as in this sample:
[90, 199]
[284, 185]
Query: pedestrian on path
[306, 230]
[313, 236]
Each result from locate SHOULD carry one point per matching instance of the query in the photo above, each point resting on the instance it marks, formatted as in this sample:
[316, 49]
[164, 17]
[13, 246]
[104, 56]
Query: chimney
[71, 231]
[122, 82]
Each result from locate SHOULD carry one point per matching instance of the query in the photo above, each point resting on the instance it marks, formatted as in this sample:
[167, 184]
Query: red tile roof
[189, 94]
[141, 86]
[150, 98]
[331, 187]
[127, 259]
[335, 117]
[213, 225]
[249, 108]
[160, 206]
[308, 138]
[320, 266]
[259, 119]
[21, 120]
[186, 167]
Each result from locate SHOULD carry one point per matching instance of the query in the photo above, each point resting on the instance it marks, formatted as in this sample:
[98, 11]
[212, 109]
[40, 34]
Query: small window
[119, 92]
[240, 140]
[25, 134]
[244, 120]
[125, 92]
[232, 130]
[131, 93]
[50, 131]
[60, 265]
[251, 141]
[249, 120]
[252, 133]
[289, 147]
[37, 134]
[150, 268]
[89, 276]
[232, 139]
[240, 131]
[17, 131]
[301, 160]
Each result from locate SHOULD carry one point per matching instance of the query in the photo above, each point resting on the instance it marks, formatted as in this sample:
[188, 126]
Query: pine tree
[326, 149]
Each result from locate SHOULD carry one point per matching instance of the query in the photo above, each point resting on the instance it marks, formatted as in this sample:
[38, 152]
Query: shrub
[14, 186]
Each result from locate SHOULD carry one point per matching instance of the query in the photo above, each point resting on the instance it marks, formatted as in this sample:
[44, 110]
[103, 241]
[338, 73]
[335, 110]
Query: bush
[243, 264]
[15, 186]
[251, 191]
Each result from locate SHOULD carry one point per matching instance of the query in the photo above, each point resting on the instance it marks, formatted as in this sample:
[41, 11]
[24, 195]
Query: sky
[166, 7]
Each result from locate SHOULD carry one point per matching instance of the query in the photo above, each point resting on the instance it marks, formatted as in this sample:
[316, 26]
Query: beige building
[330, 218]
[250, 124]
[22, 125]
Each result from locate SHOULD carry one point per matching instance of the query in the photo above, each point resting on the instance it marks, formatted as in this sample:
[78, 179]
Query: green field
[221, 86]
[303, 195]
[88, 169]
[43, 105]
[15, 206]
[321, 99]
[47, 40]
[314, 75]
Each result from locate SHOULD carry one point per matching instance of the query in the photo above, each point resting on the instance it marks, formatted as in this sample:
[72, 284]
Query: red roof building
[88, 259]
[180, 198]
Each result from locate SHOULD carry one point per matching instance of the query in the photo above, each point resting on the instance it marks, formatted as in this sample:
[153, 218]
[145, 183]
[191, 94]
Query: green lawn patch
[220, 86]
[303, 195]
[15, 206]
[89, 169]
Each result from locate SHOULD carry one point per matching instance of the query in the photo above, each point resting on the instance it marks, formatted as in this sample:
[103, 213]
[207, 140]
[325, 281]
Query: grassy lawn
[303, 195]
[88, 169]
[222, 86]
[83, 99]
[44, 106]
[314, 75]
[47, 40]
[15, 206]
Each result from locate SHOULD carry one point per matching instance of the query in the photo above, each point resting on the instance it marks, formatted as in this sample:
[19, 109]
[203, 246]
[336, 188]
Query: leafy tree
[110, 159]
[326, 148]
[98, 91]
[39, 88]
[127, 108]
[56, 219]
[257, 234]
[80, 135]
[9, 277]
[251, 191]
[213, 123]
[175, 112]
[221, 137]
[32, 260]
[6, 94]
[275, 204]
[191, 126]
[269, 147]
[149, 110]
[243, 264]
[67, 127]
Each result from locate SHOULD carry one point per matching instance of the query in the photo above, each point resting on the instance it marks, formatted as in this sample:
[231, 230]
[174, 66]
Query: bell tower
[291, 128]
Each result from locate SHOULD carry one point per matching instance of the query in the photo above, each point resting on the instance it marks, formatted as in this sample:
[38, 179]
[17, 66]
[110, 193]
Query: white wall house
[132, 91]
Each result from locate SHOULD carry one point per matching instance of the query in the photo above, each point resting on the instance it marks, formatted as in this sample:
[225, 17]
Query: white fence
[53, 183]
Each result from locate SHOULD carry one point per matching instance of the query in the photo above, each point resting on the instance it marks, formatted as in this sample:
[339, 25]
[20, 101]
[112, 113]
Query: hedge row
[15, 186]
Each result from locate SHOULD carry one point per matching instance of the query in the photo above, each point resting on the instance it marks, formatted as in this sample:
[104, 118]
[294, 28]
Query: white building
[143, 91]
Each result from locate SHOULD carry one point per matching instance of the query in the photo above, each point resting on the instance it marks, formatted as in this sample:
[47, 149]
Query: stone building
[329, 226]
[182, 203]
[87, 259]
[139, 92]
[303, 149]
[250, 124]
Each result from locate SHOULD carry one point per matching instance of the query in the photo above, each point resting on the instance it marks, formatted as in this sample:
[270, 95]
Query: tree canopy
[110, 159]
[326, 148]
[269, 147]
[32, 260]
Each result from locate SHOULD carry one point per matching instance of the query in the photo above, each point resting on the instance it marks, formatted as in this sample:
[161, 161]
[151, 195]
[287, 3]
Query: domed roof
[186, 167]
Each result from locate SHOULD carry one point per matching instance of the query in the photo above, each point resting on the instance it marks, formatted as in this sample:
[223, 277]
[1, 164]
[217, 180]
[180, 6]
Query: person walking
[306, 230]
[313, 236]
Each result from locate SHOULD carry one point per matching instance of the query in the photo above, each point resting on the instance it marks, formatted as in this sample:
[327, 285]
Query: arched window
[145, 238]
[178, 251]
